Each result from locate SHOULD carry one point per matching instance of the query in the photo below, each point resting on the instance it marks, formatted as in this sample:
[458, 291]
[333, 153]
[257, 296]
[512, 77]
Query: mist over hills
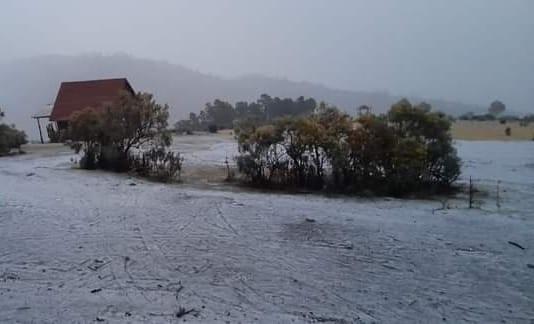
[28, 85]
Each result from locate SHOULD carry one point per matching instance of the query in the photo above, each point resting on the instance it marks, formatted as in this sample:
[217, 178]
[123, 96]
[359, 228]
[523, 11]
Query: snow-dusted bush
[409, 149]
[10, 137]
[157, 163]
[135, 123]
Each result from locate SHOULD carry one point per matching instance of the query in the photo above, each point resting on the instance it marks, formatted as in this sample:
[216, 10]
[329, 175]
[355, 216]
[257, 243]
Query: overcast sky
[469, 50]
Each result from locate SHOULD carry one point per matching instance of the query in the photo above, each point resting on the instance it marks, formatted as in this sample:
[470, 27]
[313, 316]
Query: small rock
[133, 184]
[30, 174]
[531, 266]
[310, 220]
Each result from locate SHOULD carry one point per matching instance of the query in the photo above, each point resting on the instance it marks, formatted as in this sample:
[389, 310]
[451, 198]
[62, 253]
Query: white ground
[252, 257]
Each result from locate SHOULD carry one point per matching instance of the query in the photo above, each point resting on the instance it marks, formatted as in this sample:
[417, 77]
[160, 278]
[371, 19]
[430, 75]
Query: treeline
[496, 112]
[409, 149]
[523, 121]
[222, 115]
[10, 137]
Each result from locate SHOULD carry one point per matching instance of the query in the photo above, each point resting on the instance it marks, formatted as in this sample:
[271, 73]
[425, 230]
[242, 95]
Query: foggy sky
[469, 50]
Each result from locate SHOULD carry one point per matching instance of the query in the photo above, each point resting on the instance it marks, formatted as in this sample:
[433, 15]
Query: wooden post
[470, 193]
[498, 194]
[40, 132]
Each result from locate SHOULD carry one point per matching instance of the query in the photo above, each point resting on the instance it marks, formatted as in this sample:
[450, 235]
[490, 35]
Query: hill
[27, 85]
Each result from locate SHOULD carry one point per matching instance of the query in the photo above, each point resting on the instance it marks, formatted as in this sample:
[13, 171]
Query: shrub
[54, 135]
[432, 130]
[409, 149]
[86, 128]
[508, 131]
[212, 128]
[108, 136]
[183, 126]
[157, 163]
[10, 138]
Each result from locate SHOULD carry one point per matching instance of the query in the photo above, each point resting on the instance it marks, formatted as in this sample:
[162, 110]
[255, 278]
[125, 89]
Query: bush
[54, 135]
[157, 163]
[212, 128]
[407, 150]
[10, 138]
[135, 122]
[508, 131]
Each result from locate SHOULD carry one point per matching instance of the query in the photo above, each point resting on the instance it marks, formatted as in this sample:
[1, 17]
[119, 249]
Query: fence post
[228, 171]
[470, 193]
[498, 194]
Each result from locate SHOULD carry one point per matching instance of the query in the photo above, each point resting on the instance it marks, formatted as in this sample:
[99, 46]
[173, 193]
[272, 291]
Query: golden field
[491, 130]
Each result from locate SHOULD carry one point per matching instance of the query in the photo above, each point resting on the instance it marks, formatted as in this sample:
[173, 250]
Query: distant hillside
[27, 85]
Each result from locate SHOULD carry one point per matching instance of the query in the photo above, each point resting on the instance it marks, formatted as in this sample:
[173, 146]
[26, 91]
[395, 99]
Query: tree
[303, 107]
[223, 115]
[250, 111]
[220, 114]
[277, 107]
[260, 157]
[195, 122]
[86, 127]
[134, 121]
[109, 135]
[432, 130]
[496, 108]
[364, 110]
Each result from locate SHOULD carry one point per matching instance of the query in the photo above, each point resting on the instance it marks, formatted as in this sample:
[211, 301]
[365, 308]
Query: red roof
[78, 95]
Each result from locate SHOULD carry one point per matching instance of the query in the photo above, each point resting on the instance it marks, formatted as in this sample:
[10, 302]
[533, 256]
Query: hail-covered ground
[88, 246]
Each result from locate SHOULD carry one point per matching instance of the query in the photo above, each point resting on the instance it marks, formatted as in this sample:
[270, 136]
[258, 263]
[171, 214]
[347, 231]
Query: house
[78, 95]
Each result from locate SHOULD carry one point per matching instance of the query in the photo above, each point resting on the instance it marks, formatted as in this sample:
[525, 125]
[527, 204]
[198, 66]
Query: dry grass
[491, 130]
